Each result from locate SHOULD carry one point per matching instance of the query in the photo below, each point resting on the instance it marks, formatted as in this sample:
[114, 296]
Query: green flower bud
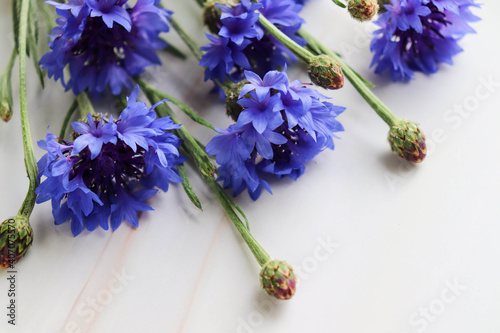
[233, 109]
[363, 10]
[278, 280]
[16, 236]
[211, 14]
[5, 97]
[407, 141]
[325, 73]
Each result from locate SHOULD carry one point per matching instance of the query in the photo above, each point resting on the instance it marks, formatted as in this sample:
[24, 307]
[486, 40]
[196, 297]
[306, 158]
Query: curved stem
[207, 171]
[378, 106]
[298, 50]
[29, 156]
[190, 42]
[67, 118]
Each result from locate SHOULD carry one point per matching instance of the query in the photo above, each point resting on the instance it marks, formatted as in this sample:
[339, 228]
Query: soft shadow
[395, 164]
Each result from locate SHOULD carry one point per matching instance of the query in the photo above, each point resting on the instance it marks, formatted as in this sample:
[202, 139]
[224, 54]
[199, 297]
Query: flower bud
[233, 109]
[278, 280]
[16, 236]
[325, 73]
[211, 14]
[363, 10]
[5, 98]
[407, 141]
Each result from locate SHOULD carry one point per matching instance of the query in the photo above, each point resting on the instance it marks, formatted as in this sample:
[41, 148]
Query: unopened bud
[325, 72]
[363, 10]
[407, 141]
[16, 236]
[278, 280]
[211, 14]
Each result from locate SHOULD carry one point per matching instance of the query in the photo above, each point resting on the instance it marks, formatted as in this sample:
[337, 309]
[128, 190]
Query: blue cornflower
[111, 169]
[417, 35]
[276, 134]
[238, 22]
[242, 40]
[104, 43]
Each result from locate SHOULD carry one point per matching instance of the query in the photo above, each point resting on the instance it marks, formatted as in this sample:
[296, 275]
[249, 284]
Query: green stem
[378, 106]
[8, 70]
[67, 118]
[258, 251]
[298, 50]
[190, 42]
[29, 156]
[84, 105]
[207, 170]
[188, 111]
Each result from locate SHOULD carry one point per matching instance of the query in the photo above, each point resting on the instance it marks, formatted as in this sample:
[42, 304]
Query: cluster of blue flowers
[242, 43]
[110, 169]
[282, 126]
[104, 43]
[417, 35]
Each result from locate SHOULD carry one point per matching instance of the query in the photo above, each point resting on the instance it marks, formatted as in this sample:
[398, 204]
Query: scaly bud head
[16, 236]
[407, 141]
[211, 14]
[233, 109]
[325, 73]
[278, 280]
[363, 10]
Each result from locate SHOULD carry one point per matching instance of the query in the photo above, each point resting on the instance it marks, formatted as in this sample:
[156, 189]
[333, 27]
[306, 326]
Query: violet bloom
[417, 35]
[112, 167]
[104, 43]
[274, 135]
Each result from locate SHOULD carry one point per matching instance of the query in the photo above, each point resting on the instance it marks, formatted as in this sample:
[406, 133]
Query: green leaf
[338, 3]
[16, 13]
[187, 186]
[32, 47]
[67, 119]
[189, 112]
[33, 18]
[173, 50]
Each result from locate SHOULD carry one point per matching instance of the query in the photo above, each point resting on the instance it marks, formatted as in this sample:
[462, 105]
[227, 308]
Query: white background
[412, 248]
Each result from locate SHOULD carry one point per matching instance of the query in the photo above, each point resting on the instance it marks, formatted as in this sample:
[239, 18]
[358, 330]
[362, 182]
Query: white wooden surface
[380, 246]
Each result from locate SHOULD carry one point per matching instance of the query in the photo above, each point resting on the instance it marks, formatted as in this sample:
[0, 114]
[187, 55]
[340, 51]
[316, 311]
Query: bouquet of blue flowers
[113, 162]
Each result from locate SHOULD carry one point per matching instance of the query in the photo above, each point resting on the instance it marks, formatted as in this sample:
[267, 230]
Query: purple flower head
[417, 35]
[104, 43]
[111, 169]
[274, 135]
[242, 44]
[238, 22]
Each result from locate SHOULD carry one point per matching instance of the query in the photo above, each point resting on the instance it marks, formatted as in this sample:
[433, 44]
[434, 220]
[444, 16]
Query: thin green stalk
[67, 118]
[188, 111]
[187, 186]
[29, 156]
[84, 105]
[298, 50]
[6, 102]
[380, 108]
[258, 251]
[8, 70]
[207, 170]
[190, 42]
